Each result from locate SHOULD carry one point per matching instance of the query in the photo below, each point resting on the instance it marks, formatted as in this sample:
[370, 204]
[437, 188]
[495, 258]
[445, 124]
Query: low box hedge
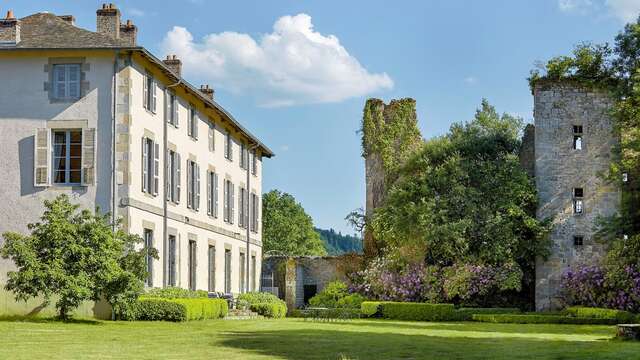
[418, 311]
[540, 319]
[601, 313]
[159, 309]
[371, 308]
[274, 310]
[466, 314]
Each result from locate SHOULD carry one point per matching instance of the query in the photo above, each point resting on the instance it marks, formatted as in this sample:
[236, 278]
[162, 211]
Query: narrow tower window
[578, 204]
[577, 137]
[578, 240]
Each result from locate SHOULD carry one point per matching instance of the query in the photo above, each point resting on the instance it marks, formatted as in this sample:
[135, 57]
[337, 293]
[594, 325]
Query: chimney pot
[10, 15]
[207, 91]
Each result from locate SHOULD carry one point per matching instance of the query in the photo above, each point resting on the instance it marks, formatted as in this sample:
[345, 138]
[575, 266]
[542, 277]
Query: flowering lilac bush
[603, 286]
[388, 280]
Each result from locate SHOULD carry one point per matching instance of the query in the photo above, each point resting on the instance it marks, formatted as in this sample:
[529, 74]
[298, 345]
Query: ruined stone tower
[390, 135]
[573, 143]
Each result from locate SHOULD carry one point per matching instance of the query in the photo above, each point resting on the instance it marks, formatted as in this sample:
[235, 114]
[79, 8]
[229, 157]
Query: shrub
[466, 314]
[352, 301]
[540, 319]
[156, 309]
[175, 293]
[418, 311]
[258, 297]
[330, 295]
[371, 308]
[272, 310]
[331, 313]
[599, 313]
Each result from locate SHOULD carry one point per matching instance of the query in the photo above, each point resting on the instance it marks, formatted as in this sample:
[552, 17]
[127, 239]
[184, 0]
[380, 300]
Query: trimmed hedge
[265, 304]
[158, 309]
[330, 314]
[175, 293]
[274, 310]
[466, 314]
[600, 313]
[371, 308]
[540, 319]
[418, 311]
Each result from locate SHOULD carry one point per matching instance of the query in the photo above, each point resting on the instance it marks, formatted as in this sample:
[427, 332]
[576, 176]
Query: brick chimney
[68, 18]
[128, 33]
[174, 64]
[207, 91]
[9, 29]
[108, 21]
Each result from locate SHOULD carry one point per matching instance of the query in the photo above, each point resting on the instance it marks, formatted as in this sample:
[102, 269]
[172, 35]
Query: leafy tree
[75, 256]
[287, 229]
[337, 243]
[464, 198]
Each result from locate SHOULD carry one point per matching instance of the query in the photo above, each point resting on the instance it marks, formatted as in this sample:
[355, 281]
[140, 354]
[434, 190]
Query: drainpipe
[247, 257]
[165, 202]
[114, 181]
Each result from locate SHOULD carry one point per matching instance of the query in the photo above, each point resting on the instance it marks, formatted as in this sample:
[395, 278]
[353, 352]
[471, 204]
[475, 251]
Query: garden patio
[298, 339]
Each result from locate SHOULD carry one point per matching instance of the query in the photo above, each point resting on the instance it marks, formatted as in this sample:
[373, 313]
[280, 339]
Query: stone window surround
[84, 83]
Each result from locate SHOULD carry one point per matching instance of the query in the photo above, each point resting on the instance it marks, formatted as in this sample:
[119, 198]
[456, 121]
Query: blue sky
[301, 86]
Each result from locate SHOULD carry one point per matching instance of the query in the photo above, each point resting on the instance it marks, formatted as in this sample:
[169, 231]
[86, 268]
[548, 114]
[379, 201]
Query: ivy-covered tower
[390, 135]
[574, 140]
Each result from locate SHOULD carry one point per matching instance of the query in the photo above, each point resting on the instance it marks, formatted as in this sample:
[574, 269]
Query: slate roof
[48, 31]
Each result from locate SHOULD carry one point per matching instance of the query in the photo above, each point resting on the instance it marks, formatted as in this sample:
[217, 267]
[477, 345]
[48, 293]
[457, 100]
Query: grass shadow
[48, 319]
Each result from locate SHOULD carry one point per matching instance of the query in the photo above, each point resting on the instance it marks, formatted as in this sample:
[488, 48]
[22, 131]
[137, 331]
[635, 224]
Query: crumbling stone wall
[559, 168]
[390, 135]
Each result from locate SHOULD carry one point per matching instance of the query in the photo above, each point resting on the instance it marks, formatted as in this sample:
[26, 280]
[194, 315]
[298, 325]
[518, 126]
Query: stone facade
[562, 112]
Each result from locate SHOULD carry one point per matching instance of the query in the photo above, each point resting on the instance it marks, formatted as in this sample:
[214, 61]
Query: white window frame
[67, 158]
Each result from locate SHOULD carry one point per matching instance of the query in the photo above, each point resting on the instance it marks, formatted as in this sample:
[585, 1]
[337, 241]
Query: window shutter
[189, 123]
[177, 179]
[153, 94]
[167, 181]
[41, 157]
[215, 195]
[156, 168]
[211, 138]
[209, 193]
[189, 184]
[145, 165]
[145, 92]
[195, 124]
[231, 203]
[169, 109]
[88, 156]
[197, 204]
[246, 208]
[225, 201]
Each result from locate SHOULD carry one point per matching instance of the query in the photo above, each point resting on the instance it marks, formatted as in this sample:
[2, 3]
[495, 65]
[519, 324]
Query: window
[577, 137]
[242, 272]
[243, 156]
[228, 147]
[193, 185]
[148, 243]
[253, 273]
[192, 265]
[227, 271]
[243, 208]
[254, 163]
[173, 177]
[578, 240]
[212, 137]
[254, 212]
[227, 211]
[212, 194]
[212, 268]
[192, 126]
[578, 204]
[172, 261]
[150, 166]
[66, 81]
[67, 157]
[149, 93]
[173, 110]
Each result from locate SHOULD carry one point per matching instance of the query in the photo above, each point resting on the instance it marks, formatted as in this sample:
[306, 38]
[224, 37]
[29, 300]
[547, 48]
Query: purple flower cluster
[598, 286]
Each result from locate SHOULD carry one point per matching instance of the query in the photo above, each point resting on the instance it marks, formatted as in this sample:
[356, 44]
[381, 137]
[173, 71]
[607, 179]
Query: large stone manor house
[97, 117]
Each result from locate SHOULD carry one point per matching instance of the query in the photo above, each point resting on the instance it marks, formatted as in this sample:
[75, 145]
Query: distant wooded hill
[337, 244]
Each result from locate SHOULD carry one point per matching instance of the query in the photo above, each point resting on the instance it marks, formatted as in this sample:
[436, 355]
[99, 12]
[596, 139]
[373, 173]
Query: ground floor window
[243, 273]
[192, 265]
[148, 243]
[253, 273]
[227, 270]
[212, 268]
[172, 260]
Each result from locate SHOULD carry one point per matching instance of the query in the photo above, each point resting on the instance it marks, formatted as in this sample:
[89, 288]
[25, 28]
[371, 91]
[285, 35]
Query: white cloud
[624, 10]
[470, 80]
[292, 65]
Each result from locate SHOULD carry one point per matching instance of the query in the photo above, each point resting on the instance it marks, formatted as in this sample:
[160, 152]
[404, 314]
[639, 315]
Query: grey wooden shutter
[156, 168]
[209, 193]
[177, 179]
[88, 156]
[211, 138]
[154, 95]
[195, 124]
[189, 184]
[246, 208]
[169, 172]
[197, 207]
[41, 157]
[145, 92]
[215, 195]
[145, 165]
[225, 201]
[176, 112]
[190, 123]
[231, 202]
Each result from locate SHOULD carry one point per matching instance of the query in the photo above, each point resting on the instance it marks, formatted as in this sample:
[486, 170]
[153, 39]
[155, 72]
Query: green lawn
[297, 339]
